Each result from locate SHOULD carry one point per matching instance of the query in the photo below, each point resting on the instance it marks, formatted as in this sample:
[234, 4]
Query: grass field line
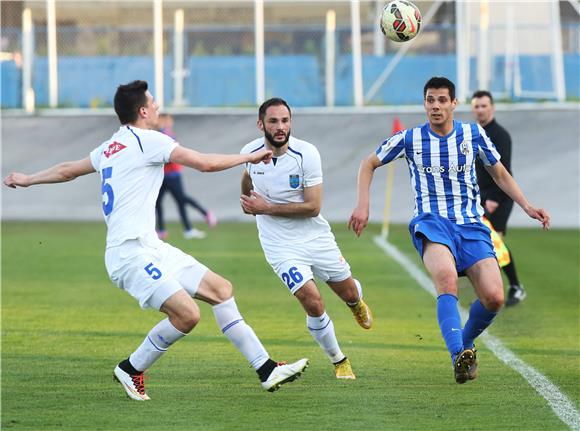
[558, 401]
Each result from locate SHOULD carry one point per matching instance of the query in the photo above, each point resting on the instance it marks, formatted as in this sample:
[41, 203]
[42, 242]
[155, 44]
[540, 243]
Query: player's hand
[16, 179]
[359, 220]
[261, 156]
[491, 206]
[539, 214]
[254, 204]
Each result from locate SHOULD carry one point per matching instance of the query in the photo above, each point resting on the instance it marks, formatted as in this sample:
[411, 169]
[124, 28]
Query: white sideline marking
[560, 403]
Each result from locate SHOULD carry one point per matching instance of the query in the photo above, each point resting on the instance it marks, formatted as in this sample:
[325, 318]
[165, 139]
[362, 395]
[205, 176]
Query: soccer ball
[400, 20]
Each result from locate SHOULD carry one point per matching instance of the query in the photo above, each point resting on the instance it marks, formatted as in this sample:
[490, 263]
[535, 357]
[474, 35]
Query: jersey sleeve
[250, 148]
[312, 165]
[95, 157]
[157, 147]
[487, 152]
[391, 149]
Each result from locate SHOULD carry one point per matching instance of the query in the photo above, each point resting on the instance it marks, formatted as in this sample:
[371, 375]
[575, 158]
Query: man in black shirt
[496, 203]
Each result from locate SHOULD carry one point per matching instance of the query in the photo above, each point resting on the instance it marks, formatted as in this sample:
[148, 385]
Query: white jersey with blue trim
[442, 168]
[131, 169]
[283, 181]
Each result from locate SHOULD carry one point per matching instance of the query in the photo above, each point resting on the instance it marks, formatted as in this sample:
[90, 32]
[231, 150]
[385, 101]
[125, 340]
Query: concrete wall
[545, 161]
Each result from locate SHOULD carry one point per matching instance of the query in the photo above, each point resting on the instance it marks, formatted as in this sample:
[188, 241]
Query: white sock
[239, 333]
[359, 289]
[156, 343]
[322, 330]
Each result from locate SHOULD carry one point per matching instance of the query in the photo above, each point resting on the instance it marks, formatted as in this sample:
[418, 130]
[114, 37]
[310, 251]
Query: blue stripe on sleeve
[480, 142]
[394, 151]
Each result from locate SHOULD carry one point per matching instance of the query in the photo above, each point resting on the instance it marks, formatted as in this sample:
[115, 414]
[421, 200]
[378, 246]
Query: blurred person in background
[285, 196]
[172, 183]
[497, 205]
[158, 275]
[447, 229]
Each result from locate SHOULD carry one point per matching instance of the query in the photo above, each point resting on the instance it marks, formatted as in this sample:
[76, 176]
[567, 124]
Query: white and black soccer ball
[400, 20]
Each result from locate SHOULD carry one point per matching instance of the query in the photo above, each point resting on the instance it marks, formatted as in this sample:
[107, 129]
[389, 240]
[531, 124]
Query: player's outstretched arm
[507, 183]
[359, 218]
[60, 173]
[256, 204]
[216, 162]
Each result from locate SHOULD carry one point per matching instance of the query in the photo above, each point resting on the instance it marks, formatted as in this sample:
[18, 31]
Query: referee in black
[496, 203]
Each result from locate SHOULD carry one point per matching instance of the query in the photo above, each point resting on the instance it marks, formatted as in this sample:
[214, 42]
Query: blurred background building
[57, 53]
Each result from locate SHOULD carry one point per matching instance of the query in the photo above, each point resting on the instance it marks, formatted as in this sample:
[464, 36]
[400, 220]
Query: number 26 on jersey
[292, 277]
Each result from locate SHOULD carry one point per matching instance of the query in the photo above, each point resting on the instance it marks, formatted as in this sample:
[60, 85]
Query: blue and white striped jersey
[442, 168]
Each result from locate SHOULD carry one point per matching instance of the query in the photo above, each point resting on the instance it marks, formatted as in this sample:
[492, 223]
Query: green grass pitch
[65, 326]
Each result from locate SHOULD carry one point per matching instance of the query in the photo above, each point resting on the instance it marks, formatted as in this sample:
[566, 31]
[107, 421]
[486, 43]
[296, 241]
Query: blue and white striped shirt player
[442, 168]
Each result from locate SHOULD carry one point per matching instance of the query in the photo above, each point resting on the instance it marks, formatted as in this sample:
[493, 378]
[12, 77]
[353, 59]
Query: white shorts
[296, 264]
[152, 272]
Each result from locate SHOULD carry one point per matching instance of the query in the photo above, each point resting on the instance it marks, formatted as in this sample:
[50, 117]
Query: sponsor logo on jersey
[432, 169]
[294, 181]
[114, 148]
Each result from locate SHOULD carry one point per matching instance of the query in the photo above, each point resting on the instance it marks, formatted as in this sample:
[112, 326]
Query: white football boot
[284, 373]
[133, 385]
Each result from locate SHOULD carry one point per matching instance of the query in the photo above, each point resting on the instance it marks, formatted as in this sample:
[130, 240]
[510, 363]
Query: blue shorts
[468, 243]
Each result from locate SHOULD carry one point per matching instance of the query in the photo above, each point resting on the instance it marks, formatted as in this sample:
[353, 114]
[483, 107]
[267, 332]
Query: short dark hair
[440, 82]
[274, 101]
[482, 93]
[128, 99]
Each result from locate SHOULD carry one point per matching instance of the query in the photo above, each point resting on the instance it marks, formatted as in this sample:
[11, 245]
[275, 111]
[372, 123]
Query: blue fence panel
[230, 80]
[404, 86]
[92, 81]
[11, 88]
[572, 73]
[296, 79]
[220, 81]
[536, 73]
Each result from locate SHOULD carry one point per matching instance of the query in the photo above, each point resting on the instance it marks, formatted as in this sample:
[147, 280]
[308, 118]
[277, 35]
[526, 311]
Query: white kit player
[285, 196]
[156, 274]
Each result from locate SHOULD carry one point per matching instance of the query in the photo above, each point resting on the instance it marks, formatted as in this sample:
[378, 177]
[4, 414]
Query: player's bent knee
[188, 319]
[225, 291]
[446, 283]
[494, 302]
[314, 306]
[315, 310]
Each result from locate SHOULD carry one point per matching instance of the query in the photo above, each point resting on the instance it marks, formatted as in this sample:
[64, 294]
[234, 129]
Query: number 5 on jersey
[107, 190]
[155, 273]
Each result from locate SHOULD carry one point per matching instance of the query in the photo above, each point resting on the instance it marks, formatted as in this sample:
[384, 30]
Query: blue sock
[450, 323]
[479, 319]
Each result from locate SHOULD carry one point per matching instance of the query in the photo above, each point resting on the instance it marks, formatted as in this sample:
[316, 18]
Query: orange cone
[397, 126]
